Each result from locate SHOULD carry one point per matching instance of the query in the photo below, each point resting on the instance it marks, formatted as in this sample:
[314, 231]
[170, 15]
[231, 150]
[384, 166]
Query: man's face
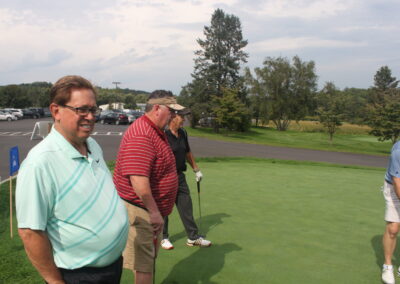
[74, 127]
[178, 121]
[165, 115]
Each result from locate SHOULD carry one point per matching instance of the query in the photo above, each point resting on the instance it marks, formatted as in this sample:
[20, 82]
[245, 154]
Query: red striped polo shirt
[144, 151]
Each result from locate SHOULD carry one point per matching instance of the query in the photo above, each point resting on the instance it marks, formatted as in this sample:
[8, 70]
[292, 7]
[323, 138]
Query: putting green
[280, 222]
[270, 222]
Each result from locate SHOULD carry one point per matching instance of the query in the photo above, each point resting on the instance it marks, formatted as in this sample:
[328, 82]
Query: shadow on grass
[376, 243]
[207, 223]
[201, 266]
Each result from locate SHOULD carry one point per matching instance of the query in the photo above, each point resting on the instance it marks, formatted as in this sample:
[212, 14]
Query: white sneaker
[166, 244]
[387, 275]
[198, 242]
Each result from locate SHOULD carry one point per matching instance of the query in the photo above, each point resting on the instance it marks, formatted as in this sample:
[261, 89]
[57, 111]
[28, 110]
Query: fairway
[270, 221]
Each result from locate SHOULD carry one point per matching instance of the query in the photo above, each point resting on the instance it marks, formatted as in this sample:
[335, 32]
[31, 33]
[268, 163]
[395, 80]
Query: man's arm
[141, 184]
[190, 159]
[396, 185]
[39, 251]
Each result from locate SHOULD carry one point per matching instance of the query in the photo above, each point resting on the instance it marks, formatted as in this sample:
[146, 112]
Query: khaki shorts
[139, 253]
[392, 210]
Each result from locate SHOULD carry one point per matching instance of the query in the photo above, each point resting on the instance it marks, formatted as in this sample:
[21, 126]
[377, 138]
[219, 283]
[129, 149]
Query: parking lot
[18, 133]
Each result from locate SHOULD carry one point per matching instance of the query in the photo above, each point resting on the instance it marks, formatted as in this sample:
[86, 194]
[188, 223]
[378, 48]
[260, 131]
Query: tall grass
[305, 134]
[315, 126]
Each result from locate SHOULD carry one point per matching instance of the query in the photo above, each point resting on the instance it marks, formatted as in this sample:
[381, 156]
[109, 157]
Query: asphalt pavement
[18, 133]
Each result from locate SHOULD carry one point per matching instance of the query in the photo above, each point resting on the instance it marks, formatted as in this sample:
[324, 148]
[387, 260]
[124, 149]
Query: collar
[64, 145]
[158, 130]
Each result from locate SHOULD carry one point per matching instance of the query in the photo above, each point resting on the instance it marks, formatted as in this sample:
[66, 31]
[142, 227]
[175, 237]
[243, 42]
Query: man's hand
[157, 221]
[199, 176]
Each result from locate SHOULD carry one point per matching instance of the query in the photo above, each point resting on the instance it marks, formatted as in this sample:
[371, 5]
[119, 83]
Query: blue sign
[14, 160]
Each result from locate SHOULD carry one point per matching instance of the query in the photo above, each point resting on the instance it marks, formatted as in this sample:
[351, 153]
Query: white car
[7, 116]
[16, 112]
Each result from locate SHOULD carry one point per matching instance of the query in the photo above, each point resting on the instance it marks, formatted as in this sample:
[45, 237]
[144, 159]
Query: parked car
[38, 110]
[136, 113]
[103, 114]
[28, 113]
[133, 115]
[115, 118]
[16, 112]
[47, 112]
[6, 116]
[206, 121]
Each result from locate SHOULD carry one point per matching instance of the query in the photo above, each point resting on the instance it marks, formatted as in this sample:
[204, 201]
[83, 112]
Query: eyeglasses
[82, 111]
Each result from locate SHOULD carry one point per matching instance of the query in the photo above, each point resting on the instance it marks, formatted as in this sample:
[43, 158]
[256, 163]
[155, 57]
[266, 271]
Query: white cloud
[297, 43]
[148, 43]
[304, 9]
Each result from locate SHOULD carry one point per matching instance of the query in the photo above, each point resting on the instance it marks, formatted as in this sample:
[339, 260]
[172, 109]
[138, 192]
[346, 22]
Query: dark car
[28, 113]
[136, 113]
[103, 114]
[46, 112]
[114, 118]
[38, 110]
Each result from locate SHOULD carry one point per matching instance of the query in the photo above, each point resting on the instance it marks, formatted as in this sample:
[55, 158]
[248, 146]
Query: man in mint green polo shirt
[70, 218]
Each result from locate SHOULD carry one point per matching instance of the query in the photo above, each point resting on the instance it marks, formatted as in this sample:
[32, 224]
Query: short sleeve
[34, 198]
[185, 135]
[394, 168]
[137, 156]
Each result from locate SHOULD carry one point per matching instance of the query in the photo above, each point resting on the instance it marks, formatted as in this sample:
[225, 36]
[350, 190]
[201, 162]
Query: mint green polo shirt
[74, 200]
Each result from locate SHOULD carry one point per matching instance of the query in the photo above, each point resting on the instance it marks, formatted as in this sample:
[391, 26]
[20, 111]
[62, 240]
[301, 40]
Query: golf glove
[199, 176]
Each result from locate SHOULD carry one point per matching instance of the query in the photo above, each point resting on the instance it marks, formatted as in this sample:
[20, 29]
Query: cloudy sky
[149, 44]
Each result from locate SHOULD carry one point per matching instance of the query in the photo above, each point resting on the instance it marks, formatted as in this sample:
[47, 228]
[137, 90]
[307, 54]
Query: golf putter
[198, 194]
[155, 256]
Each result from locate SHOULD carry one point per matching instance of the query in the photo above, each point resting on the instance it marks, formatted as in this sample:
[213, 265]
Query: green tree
[286, 91]
[129, 101]
[216, 66]
[356, 101]
[385, 121]
[384, 106]
[230, 112]
[257, 96]
[218, 61]
[142, 98]
[383, 79]
[330, 103]
[14, 96]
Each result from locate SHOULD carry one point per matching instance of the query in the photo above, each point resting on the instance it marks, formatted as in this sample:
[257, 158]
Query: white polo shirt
[74, 200]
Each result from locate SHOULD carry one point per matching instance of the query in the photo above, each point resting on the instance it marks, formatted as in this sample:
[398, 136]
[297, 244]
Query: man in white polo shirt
[70, 218]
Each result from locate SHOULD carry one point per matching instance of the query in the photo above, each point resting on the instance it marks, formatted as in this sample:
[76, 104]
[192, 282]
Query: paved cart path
[203, 147]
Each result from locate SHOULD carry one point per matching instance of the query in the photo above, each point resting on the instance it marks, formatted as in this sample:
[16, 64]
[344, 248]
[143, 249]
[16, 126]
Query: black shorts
[110, 274]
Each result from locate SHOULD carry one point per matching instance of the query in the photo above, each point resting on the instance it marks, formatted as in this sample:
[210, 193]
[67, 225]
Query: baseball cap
[167, 101]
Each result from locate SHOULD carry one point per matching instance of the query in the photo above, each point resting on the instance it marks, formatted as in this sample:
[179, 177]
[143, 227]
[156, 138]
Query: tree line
[37, 94]
[281, 91]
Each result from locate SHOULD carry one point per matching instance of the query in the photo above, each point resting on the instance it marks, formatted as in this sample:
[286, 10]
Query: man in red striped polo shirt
[145, 177]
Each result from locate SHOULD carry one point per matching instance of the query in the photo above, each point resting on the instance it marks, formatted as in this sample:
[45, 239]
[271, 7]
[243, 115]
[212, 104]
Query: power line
[116, 84]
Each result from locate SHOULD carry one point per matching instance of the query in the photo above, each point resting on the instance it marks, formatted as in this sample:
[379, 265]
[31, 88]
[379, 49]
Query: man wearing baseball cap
[146, 178]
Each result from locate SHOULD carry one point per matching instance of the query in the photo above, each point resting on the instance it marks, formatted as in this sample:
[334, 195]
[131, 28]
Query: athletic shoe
[387, 275]
[166, 244]
[198, 242]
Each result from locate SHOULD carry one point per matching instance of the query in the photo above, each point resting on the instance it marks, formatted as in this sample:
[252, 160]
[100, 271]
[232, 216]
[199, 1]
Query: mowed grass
[306, 134]
[270, 221]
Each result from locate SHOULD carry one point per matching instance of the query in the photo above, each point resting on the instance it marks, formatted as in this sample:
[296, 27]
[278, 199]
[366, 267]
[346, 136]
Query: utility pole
[116, 84]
